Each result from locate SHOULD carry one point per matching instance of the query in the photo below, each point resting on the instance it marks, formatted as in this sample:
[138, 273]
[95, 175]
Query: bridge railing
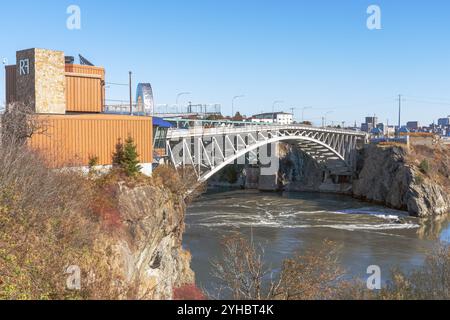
[201, 131]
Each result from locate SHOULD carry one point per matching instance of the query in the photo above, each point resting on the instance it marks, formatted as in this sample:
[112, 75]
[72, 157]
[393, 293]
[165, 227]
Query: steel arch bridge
[208, 151]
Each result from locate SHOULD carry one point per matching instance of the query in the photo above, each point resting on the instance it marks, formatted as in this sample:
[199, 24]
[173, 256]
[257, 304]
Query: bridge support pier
[268, 183]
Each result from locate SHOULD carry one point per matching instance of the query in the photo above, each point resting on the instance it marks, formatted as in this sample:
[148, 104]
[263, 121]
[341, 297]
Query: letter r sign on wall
[24, 66]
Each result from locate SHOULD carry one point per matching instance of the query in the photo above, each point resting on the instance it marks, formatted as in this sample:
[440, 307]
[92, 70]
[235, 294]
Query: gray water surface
[285, 223]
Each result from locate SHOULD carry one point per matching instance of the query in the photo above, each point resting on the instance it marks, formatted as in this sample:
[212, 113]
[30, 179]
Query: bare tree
[241, 269]
[19, 123]
[313, 275]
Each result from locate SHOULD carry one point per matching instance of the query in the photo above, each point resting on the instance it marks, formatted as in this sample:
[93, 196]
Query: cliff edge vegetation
[414, 179]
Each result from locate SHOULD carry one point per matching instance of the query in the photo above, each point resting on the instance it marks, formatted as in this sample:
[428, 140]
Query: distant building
[377, 132]
[382, 127]
[443, 122]
[371, 123]
[276, 118]
[372, 120]
[390, 130]
[413, 125]
[365, 127]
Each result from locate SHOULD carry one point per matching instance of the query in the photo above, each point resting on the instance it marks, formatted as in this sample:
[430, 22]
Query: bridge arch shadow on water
[209, 151]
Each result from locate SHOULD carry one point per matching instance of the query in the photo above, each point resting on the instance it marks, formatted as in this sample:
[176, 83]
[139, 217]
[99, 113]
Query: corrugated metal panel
[84, 88]
[71, 140]
[76, 68]
[84, 93]
[10, 84]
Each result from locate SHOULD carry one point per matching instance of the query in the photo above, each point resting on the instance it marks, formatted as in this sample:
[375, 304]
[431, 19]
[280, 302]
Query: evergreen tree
[118, 155]
[130, 161]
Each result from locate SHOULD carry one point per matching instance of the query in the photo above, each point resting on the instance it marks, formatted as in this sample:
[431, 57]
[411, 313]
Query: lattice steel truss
[209, 150]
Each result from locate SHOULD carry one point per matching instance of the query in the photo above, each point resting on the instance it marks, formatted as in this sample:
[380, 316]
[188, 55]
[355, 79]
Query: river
[285, 223]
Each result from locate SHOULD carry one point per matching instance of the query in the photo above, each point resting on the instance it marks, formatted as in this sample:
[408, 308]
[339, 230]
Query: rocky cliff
[412, 180]
[146, 254]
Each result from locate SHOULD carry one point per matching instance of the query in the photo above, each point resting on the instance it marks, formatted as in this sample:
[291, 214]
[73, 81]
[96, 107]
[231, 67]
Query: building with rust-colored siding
[69, 99]
[71, 140]
[85, 90]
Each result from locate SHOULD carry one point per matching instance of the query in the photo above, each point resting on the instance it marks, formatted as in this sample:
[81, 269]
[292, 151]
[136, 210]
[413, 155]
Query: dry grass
[182, 182]
[43, 227]
[391, 144]
[433, 162]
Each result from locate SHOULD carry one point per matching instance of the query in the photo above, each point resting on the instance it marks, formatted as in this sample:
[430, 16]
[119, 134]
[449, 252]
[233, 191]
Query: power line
[430, 99]
[117, 84]
[428, 102]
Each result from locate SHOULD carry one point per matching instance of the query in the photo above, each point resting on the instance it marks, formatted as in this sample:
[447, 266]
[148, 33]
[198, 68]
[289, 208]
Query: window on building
[159, 135]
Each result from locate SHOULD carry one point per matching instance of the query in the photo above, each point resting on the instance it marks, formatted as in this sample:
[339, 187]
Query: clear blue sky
[307, 53]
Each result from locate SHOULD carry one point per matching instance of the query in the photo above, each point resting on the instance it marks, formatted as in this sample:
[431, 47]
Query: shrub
[44, 227]
[93, 162]
[182, 182]
[189, 292]
[430, 282]
[419, 180]
[425, 166]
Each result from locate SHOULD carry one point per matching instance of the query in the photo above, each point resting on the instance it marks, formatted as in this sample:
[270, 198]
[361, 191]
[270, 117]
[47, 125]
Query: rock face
[148, 253]
[386, 176]
[298, 171]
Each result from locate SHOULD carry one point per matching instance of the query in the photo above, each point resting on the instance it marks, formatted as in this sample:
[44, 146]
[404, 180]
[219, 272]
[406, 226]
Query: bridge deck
[201, 131]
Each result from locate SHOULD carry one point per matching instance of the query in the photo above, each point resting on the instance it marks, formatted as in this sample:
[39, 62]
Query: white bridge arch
[208, 151]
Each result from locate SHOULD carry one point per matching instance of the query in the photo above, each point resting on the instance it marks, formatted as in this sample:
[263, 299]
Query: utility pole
[131, 95]
[5, 63]
[293, 113]
[399, 112]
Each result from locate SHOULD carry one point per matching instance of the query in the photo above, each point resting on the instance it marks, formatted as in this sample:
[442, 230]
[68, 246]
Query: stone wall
[41, 82]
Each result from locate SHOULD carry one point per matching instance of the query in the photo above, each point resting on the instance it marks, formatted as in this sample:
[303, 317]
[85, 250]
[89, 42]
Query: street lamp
[232, 103]
[180, 95]
[303, 112]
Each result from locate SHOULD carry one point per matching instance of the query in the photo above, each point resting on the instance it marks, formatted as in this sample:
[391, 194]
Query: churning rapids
[284, 223]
